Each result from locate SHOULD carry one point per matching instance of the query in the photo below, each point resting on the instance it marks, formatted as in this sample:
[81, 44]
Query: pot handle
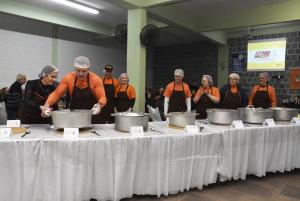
[251, 107]
[168, 114]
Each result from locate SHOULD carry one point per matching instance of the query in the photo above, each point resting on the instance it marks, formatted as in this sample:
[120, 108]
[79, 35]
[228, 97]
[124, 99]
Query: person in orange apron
[232, 94]
[110, 85]
[177, 95]
[85, 89]
[125, 95]
[263, 95]
[36, 93]
[206, 97]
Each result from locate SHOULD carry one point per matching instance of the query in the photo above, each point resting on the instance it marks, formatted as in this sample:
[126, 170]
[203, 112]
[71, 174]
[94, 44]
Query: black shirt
[16, 88]
[36, 86]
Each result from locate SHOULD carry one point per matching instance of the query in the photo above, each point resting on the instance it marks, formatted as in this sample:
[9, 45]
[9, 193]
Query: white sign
[237, 124]
[295, 120]
[269, 122]
[167, 121]
[5, 132]
[137, 130]
[13, 123]
[71, 132]
[192, 129]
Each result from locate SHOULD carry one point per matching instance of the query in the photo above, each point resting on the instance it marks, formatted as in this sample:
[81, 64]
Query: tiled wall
[248, 79]
[195, 59]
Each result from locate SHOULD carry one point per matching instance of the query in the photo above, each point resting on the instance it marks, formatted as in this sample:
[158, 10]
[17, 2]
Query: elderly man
[206, 97]
[263, 95]
[85, 89]
[177, 95]
[110, 85]
[14, 97]
[232, 94]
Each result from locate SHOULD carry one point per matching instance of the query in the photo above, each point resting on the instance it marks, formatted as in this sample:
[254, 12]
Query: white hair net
[234, 75]
[123, 75]
[82, 62]
[47, 70]
[265, 74]
[179, 72]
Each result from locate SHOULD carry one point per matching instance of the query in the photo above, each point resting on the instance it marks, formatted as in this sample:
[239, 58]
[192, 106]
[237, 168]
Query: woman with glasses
[36, 93]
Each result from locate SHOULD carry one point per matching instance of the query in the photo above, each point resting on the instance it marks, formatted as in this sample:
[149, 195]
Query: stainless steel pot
[222, 116]
[284, 114]
[181, 119]
[125, 120]
[71, 119]
[255, 115]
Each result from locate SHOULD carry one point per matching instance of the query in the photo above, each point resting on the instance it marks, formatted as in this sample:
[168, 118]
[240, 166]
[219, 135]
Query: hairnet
[82, 62]
[234, 75]
[265, 74]
[179, 72]
[123, 75]
[47, 70]
[209, 79]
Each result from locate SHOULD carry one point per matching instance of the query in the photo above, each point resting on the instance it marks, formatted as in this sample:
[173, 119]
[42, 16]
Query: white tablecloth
[45, 166]
[257, 150]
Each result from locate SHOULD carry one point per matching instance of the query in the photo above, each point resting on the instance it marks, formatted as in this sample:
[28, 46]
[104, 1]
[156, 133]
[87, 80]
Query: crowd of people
[104, 95]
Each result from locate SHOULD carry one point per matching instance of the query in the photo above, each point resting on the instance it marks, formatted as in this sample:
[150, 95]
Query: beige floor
[273, 187]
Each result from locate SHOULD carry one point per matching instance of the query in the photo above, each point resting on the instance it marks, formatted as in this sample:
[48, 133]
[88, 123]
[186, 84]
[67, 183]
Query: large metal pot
[255, 115]
[222, 116]
[71, 118]
[125, 120]
[181, 119]
[284, 114]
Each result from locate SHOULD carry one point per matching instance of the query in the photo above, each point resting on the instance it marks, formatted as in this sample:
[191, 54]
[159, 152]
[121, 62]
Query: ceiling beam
[123, 4]
[155, 3]
[218, 37]
[19, 9]
[266, 14]
[132, 4]
[174, 16]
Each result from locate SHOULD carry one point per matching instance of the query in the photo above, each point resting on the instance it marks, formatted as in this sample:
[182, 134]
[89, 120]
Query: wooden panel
[295, 78]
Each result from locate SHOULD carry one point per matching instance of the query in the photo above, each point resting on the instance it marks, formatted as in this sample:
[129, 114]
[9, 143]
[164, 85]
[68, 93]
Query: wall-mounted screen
[266, 55]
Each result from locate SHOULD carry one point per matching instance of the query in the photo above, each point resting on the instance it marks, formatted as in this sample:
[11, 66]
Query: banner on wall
[238, 61]
[266, 55]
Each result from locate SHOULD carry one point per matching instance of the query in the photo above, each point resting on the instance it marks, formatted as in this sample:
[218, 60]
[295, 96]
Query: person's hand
[96, 109]
[129, 110]
[46, 111]
[205, 92]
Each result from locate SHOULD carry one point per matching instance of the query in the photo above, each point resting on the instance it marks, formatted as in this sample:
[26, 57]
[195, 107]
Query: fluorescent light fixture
[77, 6]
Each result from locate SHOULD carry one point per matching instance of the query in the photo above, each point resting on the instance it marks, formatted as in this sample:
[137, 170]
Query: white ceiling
[110, 14]
[200, 7]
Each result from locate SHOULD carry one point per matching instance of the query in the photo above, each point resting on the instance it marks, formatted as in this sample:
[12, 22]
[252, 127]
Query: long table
[45, 166]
